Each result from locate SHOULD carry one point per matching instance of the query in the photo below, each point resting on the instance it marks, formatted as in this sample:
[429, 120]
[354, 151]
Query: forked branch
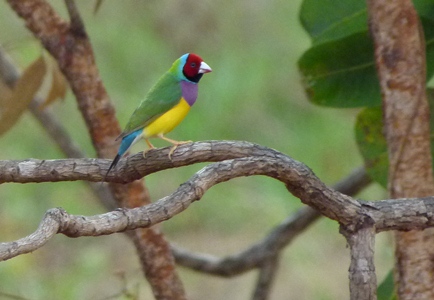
[401, 214]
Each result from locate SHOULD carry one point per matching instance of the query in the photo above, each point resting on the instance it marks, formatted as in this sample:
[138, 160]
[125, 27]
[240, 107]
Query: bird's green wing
[164, 95]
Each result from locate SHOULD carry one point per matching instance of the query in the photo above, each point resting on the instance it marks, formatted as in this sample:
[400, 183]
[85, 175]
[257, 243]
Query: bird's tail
[113, 164]
[127, 142]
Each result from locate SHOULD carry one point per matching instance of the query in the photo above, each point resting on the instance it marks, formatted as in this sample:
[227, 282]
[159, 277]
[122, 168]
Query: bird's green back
[164, 95]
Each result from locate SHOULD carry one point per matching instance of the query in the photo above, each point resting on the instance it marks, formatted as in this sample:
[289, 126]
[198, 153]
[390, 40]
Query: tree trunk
[400, 60]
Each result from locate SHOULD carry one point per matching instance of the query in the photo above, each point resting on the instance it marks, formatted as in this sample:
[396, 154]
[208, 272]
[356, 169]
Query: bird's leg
[150, 148]
[174, 143]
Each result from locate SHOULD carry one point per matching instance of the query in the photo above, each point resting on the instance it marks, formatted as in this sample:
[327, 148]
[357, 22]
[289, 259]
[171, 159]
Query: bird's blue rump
[128, 140]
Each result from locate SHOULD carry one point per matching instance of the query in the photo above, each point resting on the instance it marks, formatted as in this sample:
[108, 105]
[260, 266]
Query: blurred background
[254, 94]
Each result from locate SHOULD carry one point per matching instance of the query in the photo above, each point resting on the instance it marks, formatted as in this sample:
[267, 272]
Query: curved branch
[48, 228]
[274, 241]
[253, 256]
[297, 177]
[280, 167]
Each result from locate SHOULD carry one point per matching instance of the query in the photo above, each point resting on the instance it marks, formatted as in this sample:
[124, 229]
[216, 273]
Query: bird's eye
[193, 65]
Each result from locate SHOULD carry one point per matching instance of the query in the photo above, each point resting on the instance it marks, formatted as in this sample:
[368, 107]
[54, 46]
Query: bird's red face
[195, 67]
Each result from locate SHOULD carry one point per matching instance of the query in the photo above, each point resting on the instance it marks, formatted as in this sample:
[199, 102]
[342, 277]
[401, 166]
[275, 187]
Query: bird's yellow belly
[168, 121]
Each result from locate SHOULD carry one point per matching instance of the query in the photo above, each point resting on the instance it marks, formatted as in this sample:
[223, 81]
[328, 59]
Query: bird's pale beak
[204, 68]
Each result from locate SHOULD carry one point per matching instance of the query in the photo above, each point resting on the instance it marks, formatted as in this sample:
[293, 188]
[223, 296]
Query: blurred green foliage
[254, 94]
[386, 290]
[339, 69]
[372, 143]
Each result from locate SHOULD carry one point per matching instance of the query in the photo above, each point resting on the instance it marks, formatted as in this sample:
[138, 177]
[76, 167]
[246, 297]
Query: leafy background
[255, 93]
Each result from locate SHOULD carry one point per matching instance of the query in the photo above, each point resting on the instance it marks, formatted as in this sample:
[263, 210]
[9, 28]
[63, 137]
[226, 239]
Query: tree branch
[265, 280]
[255, 255]
[363, 281]
[401, 214]
[265, 254]
[298, 178]
[279, 238]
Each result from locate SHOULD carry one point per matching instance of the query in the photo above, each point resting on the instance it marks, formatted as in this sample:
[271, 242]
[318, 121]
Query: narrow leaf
[57, 84]
[22, 94]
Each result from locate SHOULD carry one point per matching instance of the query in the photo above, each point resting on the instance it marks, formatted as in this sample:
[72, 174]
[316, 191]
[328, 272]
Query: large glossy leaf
[329, 20]
[339, 70]
[334, 76]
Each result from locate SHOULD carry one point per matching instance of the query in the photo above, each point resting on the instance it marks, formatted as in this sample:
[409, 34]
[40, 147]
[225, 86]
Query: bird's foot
[145, 152]
[149, 149]
[175, 145]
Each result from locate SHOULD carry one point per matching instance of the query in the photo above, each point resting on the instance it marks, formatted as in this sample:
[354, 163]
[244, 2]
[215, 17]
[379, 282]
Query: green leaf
[372, 143]
[428, 27]
[329, 20]
[425, 8]
[339, 70]
[341, 73]
[386, 290]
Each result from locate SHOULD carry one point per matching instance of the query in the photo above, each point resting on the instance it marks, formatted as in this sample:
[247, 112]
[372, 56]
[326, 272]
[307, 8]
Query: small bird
[165, 106]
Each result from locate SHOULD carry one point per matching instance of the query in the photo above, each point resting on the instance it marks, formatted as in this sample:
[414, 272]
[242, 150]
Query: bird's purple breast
[189, 92]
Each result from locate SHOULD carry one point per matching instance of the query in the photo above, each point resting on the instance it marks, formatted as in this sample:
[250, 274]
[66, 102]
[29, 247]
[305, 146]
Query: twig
[255, 255]
[77, 24]
[265, 280]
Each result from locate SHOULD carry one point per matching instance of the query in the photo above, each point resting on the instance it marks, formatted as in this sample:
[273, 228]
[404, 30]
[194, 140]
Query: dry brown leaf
[57, 86]
[21, 95]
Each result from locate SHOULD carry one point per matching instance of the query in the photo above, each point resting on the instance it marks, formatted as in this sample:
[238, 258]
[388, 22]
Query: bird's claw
[146, 151]
[175, 145]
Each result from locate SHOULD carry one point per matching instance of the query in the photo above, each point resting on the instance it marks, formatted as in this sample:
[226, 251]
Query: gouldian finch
[165, 106]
